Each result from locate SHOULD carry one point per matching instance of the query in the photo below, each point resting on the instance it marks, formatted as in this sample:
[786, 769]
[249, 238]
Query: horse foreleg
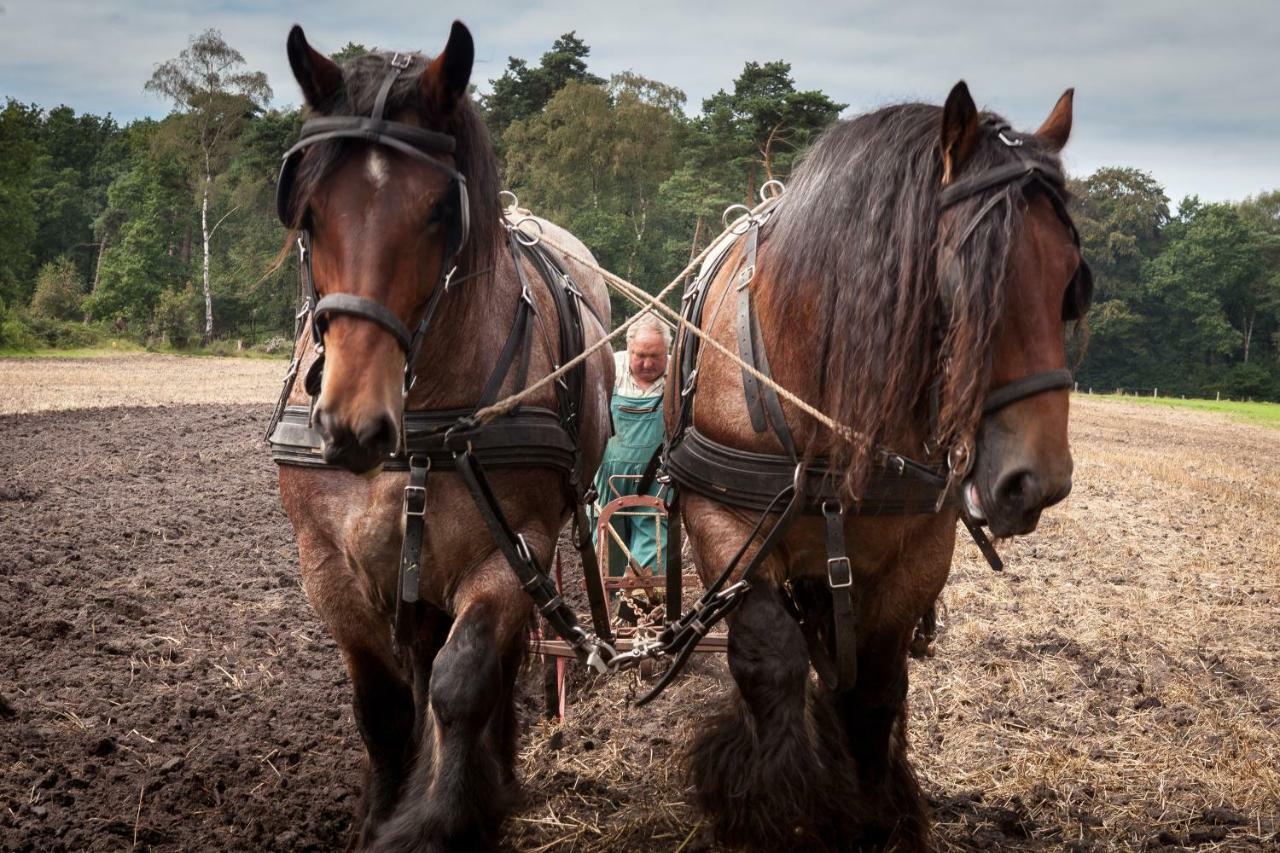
[460, 789]
[874, 717]
[754, 767]
[383, 705]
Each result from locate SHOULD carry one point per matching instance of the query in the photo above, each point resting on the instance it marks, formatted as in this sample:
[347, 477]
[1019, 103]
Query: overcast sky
[1189, 91]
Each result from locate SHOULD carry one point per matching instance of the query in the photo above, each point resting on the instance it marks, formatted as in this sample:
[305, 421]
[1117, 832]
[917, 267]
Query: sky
[1188, 91]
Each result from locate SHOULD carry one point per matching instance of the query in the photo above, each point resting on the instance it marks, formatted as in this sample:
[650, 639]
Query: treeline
[1188, 303]
[106, 227]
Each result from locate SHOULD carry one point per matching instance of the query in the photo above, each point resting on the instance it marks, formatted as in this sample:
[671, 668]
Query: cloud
[1186, 90]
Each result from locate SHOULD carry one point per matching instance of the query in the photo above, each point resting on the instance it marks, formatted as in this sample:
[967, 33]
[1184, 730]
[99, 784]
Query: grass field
[1266, 414]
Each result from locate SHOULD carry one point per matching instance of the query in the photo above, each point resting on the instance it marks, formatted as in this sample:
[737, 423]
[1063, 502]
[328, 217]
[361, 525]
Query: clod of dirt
[103, 747]
[1207, 836]
[1223, 816]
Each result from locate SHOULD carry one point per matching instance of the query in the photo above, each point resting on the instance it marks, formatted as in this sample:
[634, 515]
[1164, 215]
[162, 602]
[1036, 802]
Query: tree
[761, 127]
[207, 81]
[1120, 214]
[1203, 282]
[522, 91]
[147, 217]
[59, 290]
[18, 221]
[595, 159]
[1261, 302]
[350, 50]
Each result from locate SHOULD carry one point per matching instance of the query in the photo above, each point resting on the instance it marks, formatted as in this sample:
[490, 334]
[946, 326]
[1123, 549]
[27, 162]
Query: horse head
[1021, 460]
[376, 186]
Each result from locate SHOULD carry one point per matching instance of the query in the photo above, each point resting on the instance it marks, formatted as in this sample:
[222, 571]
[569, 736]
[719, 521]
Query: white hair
[649, 321]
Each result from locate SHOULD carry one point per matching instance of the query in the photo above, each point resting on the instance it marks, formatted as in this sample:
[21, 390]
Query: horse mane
[858, 240]
[474, 156]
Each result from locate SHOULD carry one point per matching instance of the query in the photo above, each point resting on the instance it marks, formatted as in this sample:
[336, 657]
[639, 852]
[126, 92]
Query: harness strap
[681, 637]
[984, 544]
[410, 575]
[399, 62]
[840, 581]
[520, 558]
[597, 600]
[746, 340]
[359, 306]
[517, 337]
[1027, 386]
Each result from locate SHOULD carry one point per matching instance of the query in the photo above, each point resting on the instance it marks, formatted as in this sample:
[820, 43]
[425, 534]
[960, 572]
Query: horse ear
[445, 80]
[1057, 127]
[319, 76]
[959, 130]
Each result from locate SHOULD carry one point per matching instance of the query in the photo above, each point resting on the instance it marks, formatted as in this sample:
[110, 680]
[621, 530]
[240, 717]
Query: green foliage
[1120, 214]
[523, 90]
[59, 290]
[18, 221]
[62, 334]
[174, 320]
[14, 334]
[351, 50]
[757, 130]
[151, 235]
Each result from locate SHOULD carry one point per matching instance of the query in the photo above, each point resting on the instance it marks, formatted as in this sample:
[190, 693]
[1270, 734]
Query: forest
[164, 232]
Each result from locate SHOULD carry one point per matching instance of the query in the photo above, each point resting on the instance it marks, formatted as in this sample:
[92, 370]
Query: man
[637, 433]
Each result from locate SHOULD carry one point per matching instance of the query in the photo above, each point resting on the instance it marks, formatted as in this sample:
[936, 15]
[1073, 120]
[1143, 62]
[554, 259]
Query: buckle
[745, 277]
[418, 493]
[522, 548]
[401, 61]
[834, 564]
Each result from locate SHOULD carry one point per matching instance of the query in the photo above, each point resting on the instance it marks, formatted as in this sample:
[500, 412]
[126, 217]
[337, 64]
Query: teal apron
[638, 428]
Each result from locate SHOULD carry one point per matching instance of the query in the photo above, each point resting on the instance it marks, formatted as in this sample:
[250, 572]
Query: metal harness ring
[746, 222]
[524, 238]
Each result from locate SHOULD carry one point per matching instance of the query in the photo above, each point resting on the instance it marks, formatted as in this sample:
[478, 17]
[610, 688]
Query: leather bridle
[1026, 173]
[420, 144]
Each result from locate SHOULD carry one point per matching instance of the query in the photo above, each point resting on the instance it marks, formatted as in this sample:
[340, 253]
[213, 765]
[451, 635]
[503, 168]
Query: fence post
[1155, 392]
[1218, 396]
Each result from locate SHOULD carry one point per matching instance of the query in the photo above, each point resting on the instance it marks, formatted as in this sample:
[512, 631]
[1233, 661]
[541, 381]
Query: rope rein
[654, 303]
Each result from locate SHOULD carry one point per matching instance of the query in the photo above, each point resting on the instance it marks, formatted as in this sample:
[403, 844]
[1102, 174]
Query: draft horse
[916, 282]
[421, 306]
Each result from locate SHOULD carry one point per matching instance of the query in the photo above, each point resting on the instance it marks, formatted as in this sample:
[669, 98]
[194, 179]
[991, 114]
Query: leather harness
[529, 437]
[899, 485]
[779, 487]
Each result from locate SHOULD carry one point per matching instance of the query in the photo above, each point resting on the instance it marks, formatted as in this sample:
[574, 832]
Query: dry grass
[48, 384]
[1117, 686]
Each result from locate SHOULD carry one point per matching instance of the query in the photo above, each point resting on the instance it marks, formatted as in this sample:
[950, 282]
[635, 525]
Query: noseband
[1026, 173]
[418, 143]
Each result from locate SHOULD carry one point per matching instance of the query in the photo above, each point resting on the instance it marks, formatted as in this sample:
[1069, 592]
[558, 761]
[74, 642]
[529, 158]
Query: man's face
[648, 356]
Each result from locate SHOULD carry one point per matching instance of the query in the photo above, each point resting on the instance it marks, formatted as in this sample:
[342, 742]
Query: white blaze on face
[377, 168]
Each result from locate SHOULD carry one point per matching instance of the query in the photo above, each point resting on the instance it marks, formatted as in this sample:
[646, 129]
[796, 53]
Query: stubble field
[164, 684]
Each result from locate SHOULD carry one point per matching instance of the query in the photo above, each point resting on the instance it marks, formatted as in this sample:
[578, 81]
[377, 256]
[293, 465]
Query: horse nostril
[1020, 489]
[379, 434]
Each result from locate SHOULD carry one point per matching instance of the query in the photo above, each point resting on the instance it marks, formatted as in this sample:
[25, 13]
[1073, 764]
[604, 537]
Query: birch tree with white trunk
[210, 86]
